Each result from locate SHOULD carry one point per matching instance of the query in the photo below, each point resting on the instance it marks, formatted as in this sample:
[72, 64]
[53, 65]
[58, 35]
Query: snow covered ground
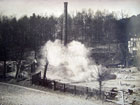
[18, 95]
[127, 78]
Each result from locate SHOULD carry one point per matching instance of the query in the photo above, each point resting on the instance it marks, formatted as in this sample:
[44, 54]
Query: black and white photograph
[69, 52]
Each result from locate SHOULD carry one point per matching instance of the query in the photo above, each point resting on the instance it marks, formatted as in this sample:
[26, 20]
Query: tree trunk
[18, 69]
[35, 54]
[4, 70]
[46, 66]
[100, 88]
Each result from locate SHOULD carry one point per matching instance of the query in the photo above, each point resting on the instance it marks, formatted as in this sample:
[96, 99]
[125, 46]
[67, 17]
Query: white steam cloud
[69, 63]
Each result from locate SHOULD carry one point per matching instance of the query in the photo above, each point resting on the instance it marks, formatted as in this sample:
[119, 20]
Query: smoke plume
[69, 63]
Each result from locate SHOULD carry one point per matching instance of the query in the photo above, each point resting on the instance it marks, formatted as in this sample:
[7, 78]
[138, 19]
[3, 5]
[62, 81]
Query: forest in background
[18, 36]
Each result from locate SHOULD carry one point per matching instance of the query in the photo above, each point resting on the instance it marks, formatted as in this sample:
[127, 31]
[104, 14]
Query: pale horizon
[19, 8]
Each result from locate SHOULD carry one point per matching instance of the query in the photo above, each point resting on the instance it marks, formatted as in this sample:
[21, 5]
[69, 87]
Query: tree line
[18, 36]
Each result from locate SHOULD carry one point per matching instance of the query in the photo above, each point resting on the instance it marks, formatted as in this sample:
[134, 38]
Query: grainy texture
[17, 95]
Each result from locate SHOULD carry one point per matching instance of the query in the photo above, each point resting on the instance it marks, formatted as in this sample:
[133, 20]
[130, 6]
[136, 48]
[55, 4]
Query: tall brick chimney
[65, 26]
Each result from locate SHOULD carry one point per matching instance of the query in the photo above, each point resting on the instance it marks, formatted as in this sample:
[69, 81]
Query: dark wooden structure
[36, 78]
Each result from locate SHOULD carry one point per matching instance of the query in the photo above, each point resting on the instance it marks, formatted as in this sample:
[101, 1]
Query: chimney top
[65, 2]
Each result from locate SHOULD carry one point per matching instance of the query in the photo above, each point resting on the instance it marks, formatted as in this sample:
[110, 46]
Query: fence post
[75, 90]
[87, 90]
[64, 88]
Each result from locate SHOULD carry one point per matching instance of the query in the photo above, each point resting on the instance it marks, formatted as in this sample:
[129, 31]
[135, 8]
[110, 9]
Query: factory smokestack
[65, 24]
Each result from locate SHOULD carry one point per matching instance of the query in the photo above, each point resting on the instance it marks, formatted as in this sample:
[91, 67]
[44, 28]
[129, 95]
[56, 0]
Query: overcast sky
[27, 7]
